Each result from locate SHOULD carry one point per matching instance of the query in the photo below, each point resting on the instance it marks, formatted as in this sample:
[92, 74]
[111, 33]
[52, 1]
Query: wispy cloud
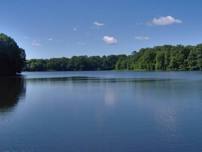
[50, 39]
[26, 37]
[81, 43]
[36, 43]
[110, 40]
[75, 29]
[98, 24]
[142, 38]
[165, 20]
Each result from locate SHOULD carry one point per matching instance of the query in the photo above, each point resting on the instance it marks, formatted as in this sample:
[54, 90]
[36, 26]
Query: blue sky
[56, 28]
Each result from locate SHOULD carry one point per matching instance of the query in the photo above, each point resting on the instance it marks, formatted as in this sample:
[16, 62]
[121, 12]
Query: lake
[101, 112]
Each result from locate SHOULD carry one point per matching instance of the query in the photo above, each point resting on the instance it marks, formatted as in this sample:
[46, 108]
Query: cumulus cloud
[165, 20]
[98, 24]
[142, 38]
[36, 43]
[110, 40]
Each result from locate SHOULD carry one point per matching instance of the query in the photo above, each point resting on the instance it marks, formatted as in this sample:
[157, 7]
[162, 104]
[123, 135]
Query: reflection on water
[144, 113]
[82, 79]
[11, 89]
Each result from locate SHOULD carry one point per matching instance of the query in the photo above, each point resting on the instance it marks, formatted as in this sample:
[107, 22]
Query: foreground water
[101, 112]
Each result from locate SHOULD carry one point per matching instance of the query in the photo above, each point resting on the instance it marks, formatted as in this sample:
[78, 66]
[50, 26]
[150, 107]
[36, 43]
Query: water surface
[102, 112]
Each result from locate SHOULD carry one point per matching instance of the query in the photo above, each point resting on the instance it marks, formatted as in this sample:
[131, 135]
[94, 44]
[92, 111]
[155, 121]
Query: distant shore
[160, 58]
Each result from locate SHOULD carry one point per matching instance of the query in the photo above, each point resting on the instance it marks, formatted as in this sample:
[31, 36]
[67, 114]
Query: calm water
[101, 112]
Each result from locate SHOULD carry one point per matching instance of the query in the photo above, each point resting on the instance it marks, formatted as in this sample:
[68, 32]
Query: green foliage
[76, 63]
[12, 58]
[167, 57]
[160, 58]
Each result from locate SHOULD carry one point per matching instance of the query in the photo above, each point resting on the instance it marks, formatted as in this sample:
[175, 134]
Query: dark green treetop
[12, 58]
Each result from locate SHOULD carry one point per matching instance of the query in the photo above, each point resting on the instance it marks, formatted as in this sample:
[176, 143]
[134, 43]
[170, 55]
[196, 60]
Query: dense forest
[12, 58]
[162, 58]
[76, 63]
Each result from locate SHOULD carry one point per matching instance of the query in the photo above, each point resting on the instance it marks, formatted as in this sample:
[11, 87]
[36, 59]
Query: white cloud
[36, 43]
[50, 39]
[165, 20]
[75, 29]
[98, 24]
[142, 38]
[110, 40]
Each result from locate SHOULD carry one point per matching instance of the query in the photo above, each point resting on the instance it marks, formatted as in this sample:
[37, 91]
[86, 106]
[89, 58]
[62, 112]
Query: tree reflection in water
[11, 89]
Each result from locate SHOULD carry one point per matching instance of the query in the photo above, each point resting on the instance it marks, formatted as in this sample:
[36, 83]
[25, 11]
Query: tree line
[159, 58]
[76, 63]
[164, 58]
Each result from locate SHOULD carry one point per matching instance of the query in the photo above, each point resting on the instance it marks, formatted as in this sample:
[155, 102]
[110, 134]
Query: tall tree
[12, 58]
